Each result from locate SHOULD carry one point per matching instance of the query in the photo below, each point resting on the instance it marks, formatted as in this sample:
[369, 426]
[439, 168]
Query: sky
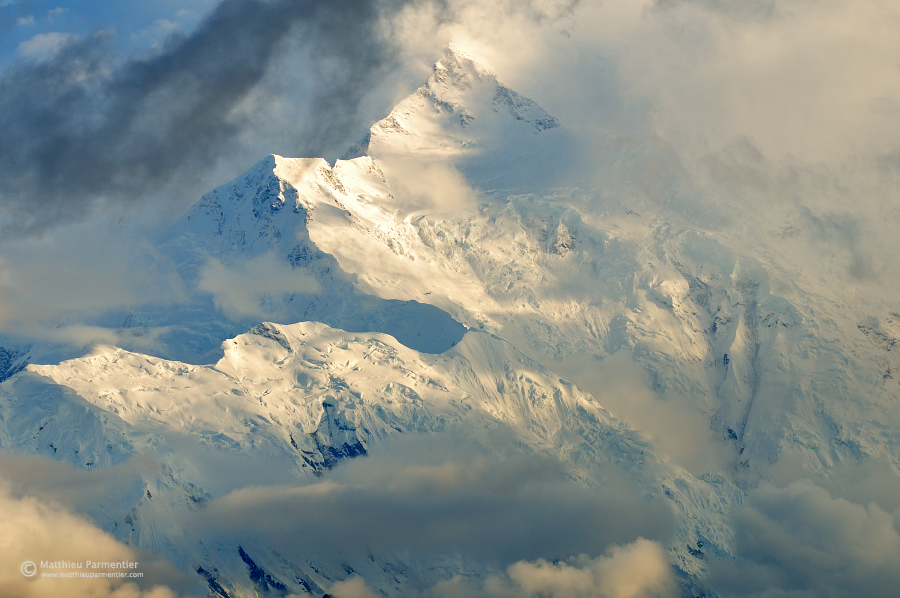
[117, 116]
[139, 26]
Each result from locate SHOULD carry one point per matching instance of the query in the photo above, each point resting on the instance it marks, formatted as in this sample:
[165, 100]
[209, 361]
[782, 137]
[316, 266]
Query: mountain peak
[457, 69]
[461, 107]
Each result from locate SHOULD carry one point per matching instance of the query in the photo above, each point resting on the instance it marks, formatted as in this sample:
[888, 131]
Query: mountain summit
[462, 108]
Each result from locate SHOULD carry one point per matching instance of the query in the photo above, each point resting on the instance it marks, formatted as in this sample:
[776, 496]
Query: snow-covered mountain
[302, 398]
[431, 282]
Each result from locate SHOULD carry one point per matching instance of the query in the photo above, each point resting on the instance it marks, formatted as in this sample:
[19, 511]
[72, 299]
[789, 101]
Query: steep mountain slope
[465, 117]
[257, 226]
[461, 109]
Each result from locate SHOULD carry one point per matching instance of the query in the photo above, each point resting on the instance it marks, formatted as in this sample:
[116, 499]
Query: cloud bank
[636, 570]
[514, 518]
[440, 496]
[800, 541]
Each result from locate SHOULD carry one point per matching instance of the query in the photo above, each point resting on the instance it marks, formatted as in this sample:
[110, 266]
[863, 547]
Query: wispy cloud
[248, 288]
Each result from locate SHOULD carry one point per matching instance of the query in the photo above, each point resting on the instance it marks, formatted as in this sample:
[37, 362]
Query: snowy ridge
[305, 396]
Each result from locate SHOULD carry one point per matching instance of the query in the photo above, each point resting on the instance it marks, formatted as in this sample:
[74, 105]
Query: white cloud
[56, 12]
[423, 185]
[623, 387]
[355, 587]
[161, 29]
[256, 287]
[636, 570]
[44, 46]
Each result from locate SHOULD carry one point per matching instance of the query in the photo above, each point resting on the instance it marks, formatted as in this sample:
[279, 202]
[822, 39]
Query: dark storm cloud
[81, 127]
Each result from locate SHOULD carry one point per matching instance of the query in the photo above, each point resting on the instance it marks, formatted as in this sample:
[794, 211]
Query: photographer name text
[89, 564]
